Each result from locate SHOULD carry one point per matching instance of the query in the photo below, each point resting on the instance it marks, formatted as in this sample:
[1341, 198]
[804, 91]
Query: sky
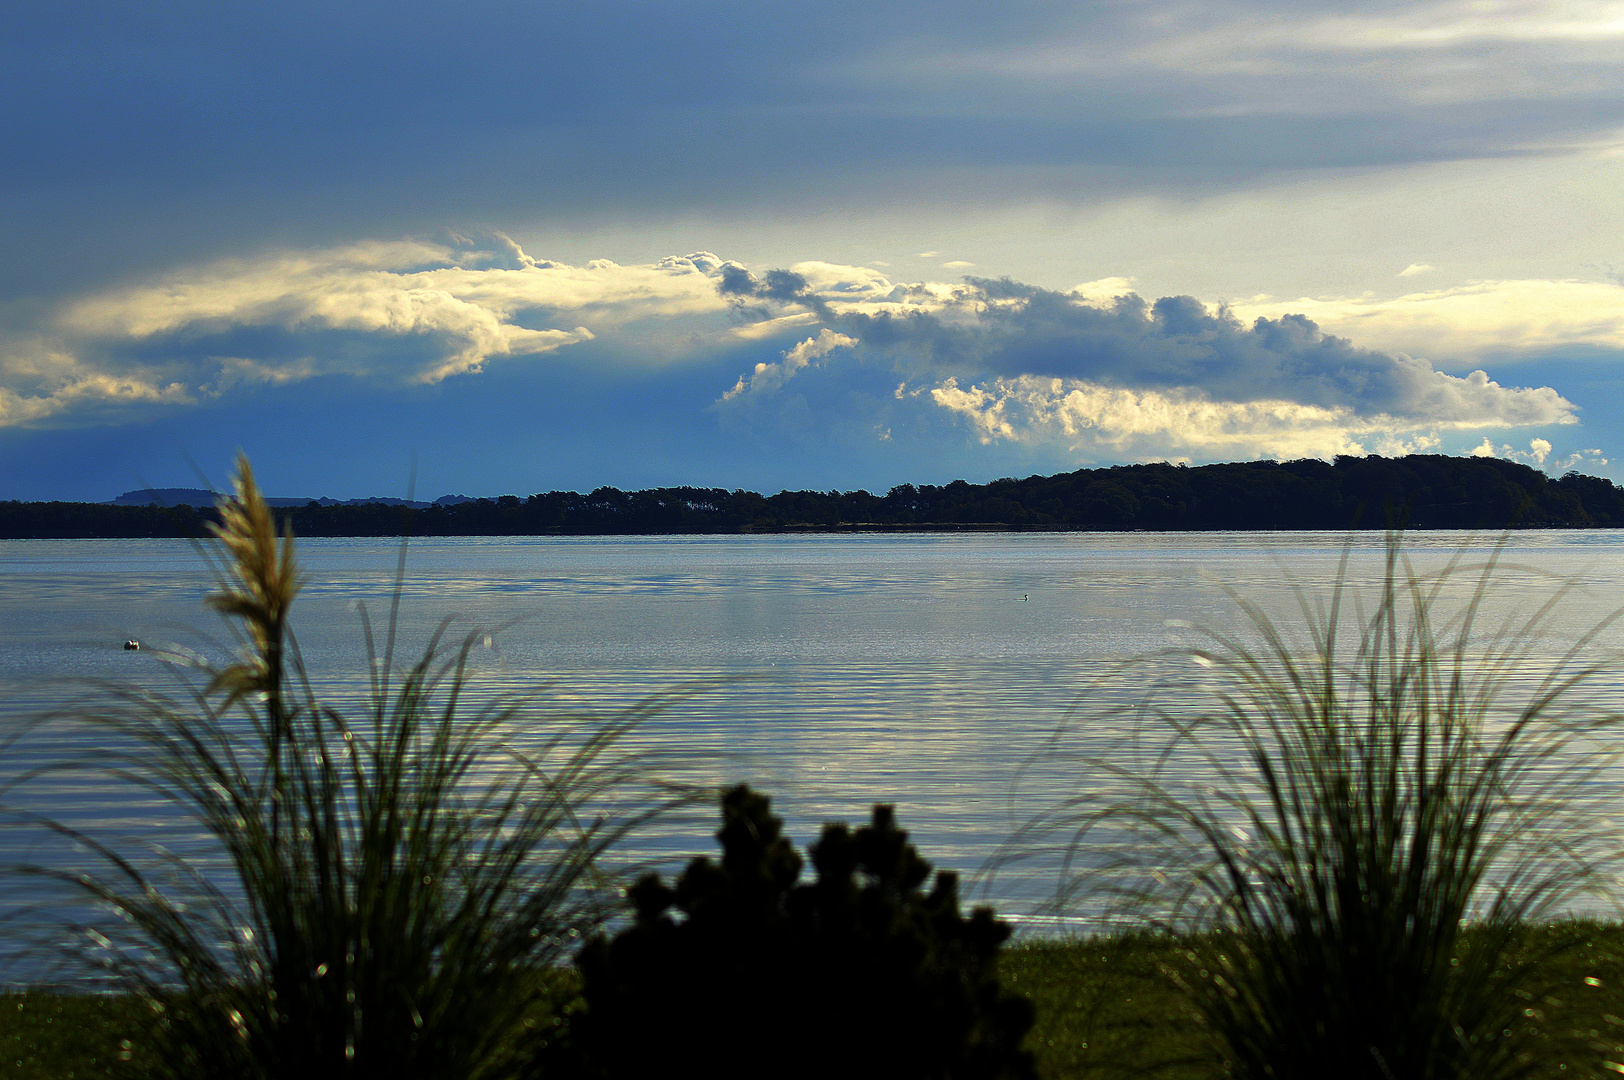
[501, 248]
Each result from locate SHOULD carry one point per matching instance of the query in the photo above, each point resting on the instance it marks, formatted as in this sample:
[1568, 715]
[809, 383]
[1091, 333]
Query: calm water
[831, 671]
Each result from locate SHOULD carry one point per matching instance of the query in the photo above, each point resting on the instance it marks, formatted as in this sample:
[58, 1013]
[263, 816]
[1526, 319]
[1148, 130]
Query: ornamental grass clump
[1347, 838]
[388, 892]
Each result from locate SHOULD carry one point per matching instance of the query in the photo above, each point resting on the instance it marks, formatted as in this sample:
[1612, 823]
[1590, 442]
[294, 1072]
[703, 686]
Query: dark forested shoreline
[1424, 491]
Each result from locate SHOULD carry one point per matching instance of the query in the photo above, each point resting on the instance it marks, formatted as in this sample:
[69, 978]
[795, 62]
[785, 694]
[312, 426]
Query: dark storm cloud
[147, 134]
[776, 288]
[737, 281]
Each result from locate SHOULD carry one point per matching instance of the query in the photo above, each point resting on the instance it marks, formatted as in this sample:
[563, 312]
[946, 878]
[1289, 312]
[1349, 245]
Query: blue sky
[510, 247]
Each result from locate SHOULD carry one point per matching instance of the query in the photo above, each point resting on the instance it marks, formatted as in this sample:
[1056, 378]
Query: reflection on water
[830, 671]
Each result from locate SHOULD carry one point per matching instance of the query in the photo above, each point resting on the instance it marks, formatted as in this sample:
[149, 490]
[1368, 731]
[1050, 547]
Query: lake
[967, 678]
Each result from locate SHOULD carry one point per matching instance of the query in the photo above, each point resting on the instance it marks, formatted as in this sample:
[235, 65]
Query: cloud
[1102, 290]
[1414, 269]
[1396, 446]
[957, 264]
[1100, 369]
[773, 326]
[1477, 319]
[1591, 458]
[415, 311]
[769, 377]
[1095, 369]
[39, 383]
[1004, 329]
[819, 284]
[90, 397]
[249, 124]
[1133, 424]
[1539, 450]
[1416, 54]
[466, 300]
[1136, 423]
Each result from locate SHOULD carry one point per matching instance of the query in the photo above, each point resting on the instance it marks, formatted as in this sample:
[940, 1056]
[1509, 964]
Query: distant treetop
[1422, 491]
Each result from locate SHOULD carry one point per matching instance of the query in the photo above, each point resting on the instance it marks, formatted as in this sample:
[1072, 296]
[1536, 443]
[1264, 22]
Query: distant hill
[1423, 491]
[166, 497]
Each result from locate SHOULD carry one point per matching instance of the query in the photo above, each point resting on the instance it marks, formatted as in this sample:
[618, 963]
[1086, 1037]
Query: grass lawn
[69, 1036]
[1103, 1009]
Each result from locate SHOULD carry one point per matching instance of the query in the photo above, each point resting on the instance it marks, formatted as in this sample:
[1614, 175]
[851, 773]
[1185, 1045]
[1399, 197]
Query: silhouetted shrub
[740, 971]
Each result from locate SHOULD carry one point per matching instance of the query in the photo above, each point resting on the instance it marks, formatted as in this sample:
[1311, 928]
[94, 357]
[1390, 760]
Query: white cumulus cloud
[769, 377]
[1154, 424]
[1538, 452]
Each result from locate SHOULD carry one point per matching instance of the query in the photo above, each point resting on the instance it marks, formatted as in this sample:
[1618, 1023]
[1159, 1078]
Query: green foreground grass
[1105, 1008]
[71, 1036]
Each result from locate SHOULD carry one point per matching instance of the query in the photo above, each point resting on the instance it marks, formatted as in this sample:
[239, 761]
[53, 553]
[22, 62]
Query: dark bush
[740, 971]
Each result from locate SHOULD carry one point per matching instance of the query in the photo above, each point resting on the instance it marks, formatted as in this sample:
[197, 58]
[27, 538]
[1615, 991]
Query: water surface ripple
[931, 671]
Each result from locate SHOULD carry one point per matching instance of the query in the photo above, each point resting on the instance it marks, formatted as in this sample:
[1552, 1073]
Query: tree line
[1421, 491]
